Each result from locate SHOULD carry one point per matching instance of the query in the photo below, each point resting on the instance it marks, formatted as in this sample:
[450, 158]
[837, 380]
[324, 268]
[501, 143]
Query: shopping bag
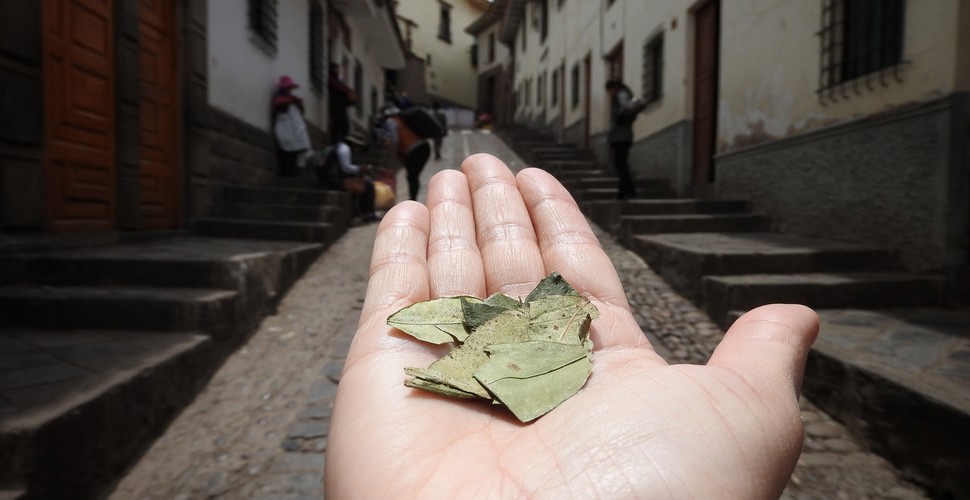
[384, 197]
[290, 130]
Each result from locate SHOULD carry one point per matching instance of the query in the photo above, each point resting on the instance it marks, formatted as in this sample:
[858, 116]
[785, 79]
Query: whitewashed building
[440, 53]
[836, 120]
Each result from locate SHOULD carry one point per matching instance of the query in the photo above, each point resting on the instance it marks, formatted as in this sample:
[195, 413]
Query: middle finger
[506, 239]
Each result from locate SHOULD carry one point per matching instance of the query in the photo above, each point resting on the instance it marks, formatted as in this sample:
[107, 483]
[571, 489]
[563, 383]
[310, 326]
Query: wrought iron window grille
[262, 25]
[861, 45]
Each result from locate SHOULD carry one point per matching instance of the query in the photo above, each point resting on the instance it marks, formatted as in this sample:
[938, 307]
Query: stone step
[635, 225]
[684, 259]
[609, 213]
[546, 157]
[182, 262]
[588, 193]
[566, 176]
[316, 232]
[722, 294]
[609, 181]
[898, 379]
[275, 196]
[576, 164]
[111, 307]
[77, 407]
[270, 212]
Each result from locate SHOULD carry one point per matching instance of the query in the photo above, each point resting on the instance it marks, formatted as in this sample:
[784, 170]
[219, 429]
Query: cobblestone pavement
[259, 429]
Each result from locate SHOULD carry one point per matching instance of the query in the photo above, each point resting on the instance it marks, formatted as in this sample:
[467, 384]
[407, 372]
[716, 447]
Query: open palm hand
[639, 428]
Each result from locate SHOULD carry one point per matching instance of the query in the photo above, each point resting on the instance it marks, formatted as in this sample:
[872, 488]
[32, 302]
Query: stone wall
[665, 155]
[896, 180]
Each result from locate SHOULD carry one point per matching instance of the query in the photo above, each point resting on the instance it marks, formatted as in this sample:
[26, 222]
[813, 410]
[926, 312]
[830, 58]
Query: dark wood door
[705, 90]
[79, 110]
[587, 102]
[157, 115]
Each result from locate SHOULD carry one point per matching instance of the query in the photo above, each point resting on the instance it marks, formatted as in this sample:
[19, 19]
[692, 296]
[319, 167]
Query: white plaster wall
[242, 77]
[364, 51]
[450, 74]
[573, 34]
[770, 69]
[642, 21]
[501, 50]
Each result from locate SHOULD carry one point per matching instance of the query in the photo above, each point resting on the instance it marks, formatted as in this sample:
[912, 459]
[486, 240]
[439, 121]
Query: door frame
[702, 166]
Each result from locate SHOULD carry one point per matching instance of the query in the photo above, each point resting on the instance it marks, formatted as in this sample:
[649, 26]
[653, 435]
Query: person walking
[620, 136]
[289, 129]
[412, 150]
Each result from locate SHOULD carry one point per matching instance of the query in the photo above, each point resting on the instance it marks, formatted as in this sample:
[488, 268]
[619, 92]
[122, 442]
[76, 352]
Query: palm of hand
[639, 428]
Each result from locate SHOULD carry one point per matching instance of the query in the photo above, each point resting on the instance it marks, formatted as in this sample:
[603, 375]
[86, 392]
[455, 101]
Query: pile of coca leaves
[528, 355]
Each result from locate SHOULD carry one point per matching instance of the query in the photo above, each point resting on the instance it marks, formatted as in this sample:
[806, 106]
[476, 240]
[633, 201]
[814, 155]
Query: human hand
[638, 428]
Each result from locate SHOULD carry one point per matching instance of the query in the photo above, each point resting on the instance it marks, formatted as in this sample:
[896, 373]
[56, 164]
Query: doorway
[158, 116]
[706, 34]
[79, 114]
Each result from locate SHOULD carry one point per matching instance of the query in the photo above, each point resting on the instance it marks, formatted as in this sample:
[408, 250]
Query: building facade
[440, 53]
[121, 114]
[837, 121]
[492, 64]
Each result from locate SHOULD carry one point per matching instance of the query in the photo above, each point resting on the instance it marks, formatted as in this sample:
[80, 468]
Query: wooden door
[706, 21]
[587, 102]
[79, 110]
[562, 101]
[157, 115]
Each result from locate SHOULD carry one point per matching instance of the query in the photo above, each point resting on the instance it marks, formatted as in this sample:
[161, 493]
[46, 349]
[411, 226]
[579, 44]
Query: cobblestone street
[259, 429]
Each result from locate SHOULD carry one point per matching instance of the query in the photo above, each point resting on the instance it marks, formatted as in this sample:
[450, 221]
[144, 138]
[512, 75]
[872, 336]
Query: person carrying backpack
[412, 149]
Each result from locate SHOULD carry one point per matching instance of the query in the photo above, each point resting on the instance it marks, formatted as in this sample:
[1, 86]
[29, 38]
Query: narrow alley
[259, 429]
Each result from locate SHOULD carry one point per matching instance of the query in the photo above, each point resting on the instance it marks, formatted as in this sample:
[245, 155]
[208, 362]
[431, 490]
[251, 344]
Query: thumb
[769, 345]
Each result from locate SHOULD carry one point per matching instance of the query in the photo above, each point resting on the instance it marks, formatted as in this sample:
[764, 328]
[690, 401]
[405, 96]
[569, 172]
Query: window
[524, 34]
[316, 47]
[859, 38]
[444, 22]
[614, 63]
[491, 47]
[373, 101]
[262, 24]
[653, 58]
[528, 92]
[544, 22]
[554, 97]
[359, 86]
[540, 89]
[574, 81]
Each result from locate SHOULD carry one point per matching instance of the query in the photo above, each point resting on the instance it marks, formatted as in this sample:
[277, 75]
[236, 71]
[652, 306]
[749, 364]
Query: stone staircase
[891, 359]
[100, 347]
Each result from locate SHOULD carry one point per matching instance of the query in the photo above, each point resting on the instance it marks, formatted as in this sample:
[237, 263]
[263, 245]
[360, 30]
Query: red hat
[286, 83]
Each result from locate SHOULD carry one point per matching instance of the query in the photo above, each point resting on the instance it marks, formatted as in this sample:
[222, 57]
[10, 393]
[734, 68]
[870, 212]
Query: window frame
[859, 41]
[653, 68]
[262, 23]
[444, 21]
[316, 49]
[574, 78]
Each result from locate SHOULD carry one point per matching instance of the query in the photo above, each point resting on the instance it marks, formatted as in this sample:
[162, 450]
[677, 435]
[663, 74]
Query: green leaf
[477, 312]
[457, 368]
[561, 318]
[554, 284]
[531, 378]
[528, 356]
[437, 321]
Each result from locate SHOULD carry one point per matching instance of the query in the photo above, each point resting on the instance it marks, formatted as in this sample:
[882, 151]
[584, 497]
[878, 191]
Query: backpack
[422, 122]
